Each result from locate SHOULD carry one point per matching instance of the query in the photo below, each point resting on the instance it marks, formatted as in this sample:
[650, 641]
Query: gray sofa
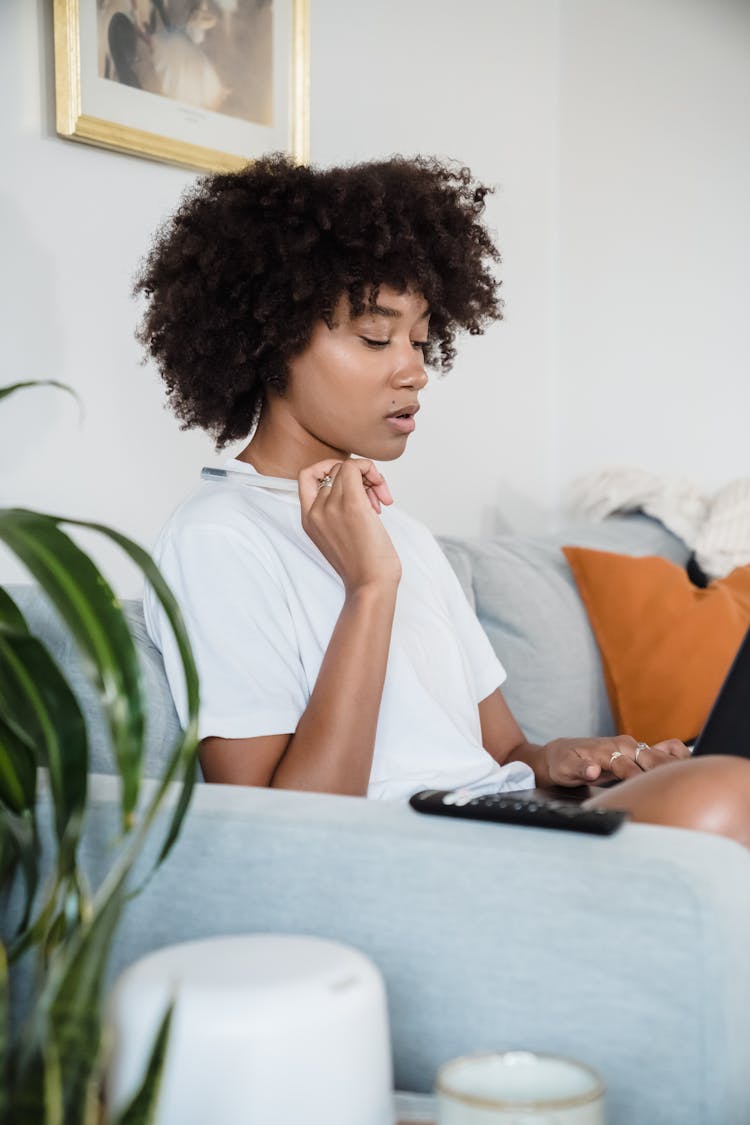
[629, 952]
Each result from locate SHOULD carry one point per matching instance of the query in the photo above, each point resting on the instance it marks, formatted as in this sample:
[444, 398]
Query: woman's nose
[411, 373]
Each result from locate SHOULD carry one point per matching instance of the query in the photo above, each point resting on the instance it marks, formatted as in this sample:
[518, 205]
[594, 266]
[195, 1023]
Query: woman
[336, 649]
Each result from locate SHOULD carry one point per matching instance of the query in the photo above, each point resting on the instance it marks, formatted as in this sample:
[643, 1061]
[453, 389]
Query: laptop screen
[727, 728]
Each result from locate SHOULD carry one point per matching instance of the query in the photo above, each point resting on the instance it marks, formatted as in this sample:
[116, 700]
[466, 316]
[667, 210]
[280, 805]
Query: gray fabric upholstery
[629, 952]
[525, 597]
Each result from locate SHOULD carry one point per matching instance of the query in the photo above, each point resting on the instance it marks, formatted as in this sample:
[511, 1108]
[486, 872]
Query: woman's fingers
[369, 476]
[376, 483]
[308, 481]
[589, 760]
[579, 761]
[585, 761]
[672, 747]
[650, 757]
[378, 492]
[608, 757]
[337, 513]
[621, 763]
[628, 758]
[375, 488]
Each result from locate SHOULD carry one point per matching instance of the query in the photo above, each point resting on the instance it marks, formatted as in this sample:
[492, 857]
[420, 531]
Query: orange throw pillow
[666, 645]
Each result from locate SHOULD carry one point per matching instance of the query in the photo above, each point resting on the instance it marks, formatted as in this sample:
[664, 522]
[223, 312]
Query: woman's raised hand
[342, 519]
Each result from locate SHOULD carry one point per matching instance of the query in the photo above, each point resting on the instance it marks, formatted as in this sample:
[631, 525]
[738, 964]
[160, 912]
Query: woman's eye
[374, 343]
[370, 343]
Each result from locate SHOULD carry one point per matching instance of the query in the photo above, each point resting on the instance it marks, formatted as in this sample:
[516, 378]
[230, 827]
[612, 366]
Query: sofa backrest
[523, 593]
[526, 598]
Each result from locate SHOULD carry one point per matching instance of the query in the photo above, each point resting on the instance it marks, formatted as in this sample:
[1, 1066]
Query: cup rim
[572, 1102]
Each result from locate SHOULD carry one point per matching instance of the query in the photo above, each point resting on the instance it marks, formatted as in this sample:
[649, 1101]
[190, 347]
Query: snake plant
[51, 1065]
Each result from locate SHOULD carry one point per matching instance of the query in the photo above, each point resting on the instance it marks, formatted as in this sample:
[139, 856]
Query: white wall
[474, 81]
[75, 220]
[616, 131]
[654, 238]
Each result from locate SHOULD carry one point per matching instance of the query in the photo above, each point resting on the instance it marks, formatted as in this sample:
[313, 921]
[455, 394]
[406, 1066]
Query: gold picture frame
[111, 114]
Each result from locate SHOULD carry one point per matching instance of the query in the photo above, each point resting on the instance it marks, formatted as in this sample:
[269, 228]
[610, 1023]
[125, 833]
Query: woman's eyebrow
[393, 314]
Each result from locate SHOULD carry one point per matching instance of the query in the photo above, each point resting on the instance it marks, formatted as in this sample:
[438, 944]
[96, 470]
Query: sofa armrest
[629, 952]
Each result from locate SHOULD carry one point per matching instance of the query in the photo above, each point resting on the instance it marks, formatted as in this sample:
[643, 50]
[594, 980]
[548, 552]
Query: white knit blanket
[716, 527]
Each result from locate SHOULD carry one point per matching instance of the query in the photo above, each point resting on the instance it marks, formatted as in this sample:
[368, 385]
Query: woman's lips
[403, 424]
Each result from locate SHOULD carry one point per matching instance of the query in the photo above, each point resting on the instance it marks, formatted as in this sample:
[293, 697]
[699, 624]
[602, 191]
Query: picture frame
[170, 80]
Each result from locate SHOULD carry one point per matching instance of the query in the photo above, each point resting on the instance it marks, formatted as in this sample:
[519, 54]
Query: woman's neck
[278, 449]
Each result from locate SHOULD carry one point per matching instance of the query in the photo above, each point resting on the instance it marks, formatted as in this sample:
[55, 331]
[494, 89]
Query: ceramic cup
[518, 1088]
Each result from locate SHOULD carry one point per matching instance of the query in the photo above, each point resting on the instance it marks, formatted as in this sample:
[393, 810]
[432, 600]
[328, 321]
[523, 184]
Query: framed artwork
[211, 84]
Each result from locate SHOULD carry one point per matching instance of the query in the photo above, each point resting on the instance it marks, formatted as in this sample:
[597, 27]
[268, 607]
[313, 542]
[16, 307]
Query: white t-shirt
[260, 603]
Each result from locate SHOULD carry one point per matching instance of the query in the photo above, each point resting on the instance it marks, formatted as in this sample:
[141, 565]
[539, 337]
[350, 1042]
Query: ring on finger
[326, 481]
[615, 754]
[638, 747]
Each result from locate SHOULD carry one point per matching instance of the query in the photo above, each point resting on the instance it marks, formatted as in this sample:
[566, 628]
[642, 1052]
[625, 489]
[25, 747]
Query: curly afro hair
[237, 279]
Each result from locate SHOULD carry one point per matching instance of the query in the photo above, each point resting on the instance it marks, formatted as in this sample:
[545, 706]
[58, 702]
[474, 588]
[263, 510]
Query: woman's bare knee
[707, 794]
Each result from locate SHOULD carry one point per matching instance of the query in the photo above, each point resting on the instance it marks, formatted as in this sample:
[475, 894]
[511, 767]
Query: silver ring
[615, 754]
[326, 481]
[638, 747]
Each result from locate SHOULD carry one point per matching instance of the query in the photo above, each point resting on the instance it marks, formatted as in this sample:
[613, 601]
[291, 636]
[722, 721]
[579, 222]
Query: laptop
[727, 728]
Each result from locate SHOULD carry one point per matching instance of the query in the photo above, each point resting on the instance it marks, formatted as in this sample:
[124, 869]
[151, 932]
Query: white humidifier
[268, 1029]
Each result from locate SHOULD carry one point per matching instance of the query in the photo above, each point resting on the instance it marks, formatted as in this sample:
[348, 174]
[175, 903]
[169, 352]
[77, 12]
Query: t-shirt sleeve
[251, 678]
[488, 672]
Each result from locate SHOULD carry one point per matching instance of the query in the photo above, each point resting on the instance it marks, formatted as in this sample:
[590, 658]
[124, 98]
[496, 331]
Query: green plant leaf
[76, 1006]
[28, 1093]
[41, 724]
[13, 387]
[67, 1012]
[37, 700]
[153, 575]
[17, 758]
[10, 615]
[88, 606]
[17, 770]
[141, 1110]
[67, 905]
[30, 535]
[183, 760]
[53, 1066]
[20, 835]
[33, 933]
[8, 860]
[54, 1095]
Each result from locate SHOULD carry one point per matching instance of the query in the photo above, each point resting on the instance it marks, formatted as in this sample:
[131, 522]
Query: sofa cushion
[665, 644]
[527, 601]
[524, 595]
[162, 726]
